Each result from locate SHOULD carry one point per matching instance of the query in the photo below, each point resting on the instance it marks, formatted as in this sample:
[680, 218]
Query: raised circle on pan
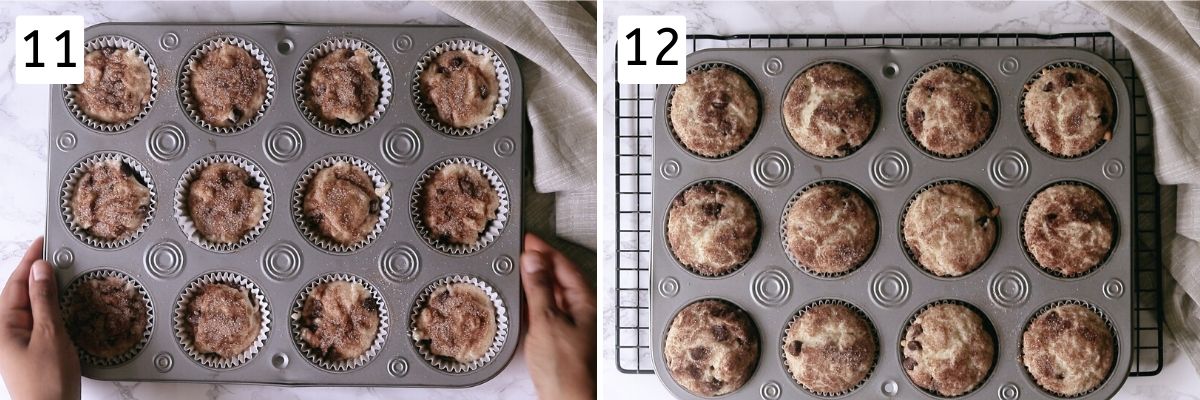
[163, 362]
[668, 287]
[169, 41]
[66, 141]
[1009, 169]
[398, 367]
[1009, 288]
[63, 258]
[771, 287]
[283, 144]
[890, 288]
[1009, 391]
[772, 169]
[773, 66]
[1114, 288]
[504, 147]
[402, 43]
[165, 259]
[279, 361]
[502, 265]
[890, 388]
[285, 46]
[1113, 169]
[670, 169]
[401, 146]
[167, 142]
[770, 391]
[891, 70]
[282, 261]
[890, 169]
[399, 263]
[1009, 65]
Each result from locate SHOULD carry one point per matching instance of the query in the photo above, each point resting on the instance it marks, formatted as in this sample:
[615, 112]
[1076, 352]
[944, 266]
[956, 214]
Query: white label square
[651, 49]
[49, 49]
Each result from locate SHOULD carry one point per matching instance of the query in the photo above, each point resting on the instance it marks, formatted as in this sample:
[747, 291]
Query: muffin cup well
[494, 227]
[313, 233]
[753, 246]
[383, 73]
[1037, 75]
[427, 111]
[757, 121]
[312, 355]
[1107, 322]
[1025, 246]
[957, 66]
[67, 192]
[185, 79]
[448, 364]
[68, 295]
[796, 317]
[904, 216]
[787, 209]
[113, 41]
[987, 327]
[182, 327]
[181, 199]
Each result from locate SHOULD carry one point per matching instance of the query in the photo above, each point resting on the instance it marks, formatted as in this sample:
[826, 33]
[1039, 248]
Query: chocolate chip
[713, 209]
[795, 348]
[442, 70]
[693, 371]
[698, 353]
[1048, 87]
[920, 116]
[720, 333]
[456, 62]
[982, 221]
[370, 304]
[917, 330]
[1069, 79]
[483, 92]
[908, 363]
[1051, 217]
[914, 345]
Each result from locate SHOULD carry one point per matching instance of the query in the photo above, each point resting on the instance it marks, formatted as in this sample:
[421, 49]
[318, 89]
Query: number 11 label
[49, 49]
[651, 49]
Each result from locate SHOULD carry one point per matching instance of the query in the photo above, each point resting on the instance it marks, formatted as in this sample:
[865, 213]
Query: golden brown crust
[712, 228]
[341, 201]
[1069, 110]
[108, 202]
[459, 322]
[830, 349]
[107, 316]
[116, 85]
[950, 229]
[459, 202]
[224, 202]
[1068, 350]
[1068, 228]
[228, 86]
[830, 229]
[830, 110]
[711, 348]
[462, 87]
[950, 112]
[948, 350]
[339, 320]
[342, 86]
[223, 319]
[714, 112]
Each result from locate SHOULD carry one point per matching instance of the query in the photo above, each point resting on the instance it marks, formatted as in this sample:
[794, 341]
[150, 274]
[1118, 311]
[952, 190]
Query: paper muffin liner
[787, 209]
[67, 192]
[494, 227]
[987, 327]
[113, 41]
[312, 232]
[753, 247]
[182, 326]
[69, 293]
[185, 82]
[428, 112]
[796, 317]
[957, 66]
[874, 92]
[757, 121]
[904, 216]
[1025, 246]
[184, 218]
[1111, 331]
[383, 73]
[448, 364]
[1037, 75]
[312, 355]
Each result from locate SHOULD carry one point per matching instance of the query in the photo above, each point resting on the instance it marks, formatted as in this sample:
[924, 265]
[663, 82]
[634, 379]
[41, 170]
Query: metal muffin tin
[281, 261]
[1009, 168]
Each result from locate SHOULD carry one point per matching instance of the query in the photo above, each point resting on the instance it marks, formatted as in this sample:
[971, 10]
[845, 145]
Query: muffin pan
[890, 169]
[279, 261]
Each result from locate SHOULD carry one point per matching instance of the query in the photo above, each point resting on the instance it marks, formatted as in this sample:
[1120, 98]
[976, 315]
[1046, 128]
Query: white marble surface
[23, 144]
[1177, 381]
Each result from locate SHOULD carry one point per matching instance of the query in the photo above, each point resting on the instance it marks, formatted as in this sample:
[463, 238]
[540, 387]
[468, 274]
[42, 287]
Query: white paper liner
[757, 121]
[787, 209]
[987, 327]
[184, 218]
[1025, 246]
[67, 191]
[1111, 331]
[490, 232]
[448, 364]
[313, 233]
[383, 73]
[182, 326]
[185, 90]
[68, 295]
[757, 220]
[796, 317]
[428, 112]
[1037, 75]
[314, 356]
[113, 41]
[957, 66]
[904, 215]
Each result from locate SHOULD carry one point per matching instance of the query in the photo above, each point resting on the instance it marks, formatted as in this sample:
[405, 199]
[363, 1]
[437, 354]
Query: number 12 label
[49, 49]
[651, 49]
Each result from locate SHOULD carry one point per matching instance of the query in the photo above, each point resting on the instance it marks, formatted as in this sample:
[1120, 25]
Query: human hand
[37, 359]
[560, 335]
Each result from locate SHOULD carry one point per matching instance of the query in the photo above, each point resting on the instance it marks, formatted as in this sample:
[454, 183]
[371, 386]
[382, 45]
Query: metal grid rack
[634, 165]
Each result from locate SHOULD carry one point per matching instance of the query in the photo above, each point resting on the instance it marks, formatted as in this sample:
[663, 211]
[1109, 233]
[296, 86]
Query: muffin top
[950, 229]
[462, 87]
[947, 350]
[228, 86]
[712, 228]
[342, 202]
[712, 348]
[714, 112]
[950, 111]
[459, 202]
[224, 202]
[1069, 110]
[108, 202]
[339, 320]
[830, 229]
[342, 86]
[830, 110]
[1068, 228]
[106, 316]
[223, 320]
[1068, 350]
[458, 321]
[116, 85]
[830, 349]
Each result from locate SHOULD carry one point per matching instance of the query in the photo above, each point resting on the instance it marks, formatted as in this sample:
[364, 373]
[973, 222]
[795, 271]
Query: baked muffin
[712, 228]
[459, 202]
[830, 229]
[342, 202]
[224, 202]
[342, 86]
[462, 87]
[712, 348]
[339, 320]
[108, 202]
[106, 316]
[950, 229]
[1069, 110]
[830, 110]
[222, 320]
[1068, 350]
[1068, 228]
[948, 350]
[116, 85]
[228, 86]
[950, 110]
[457, 322]
[714, 112]
[830, 349]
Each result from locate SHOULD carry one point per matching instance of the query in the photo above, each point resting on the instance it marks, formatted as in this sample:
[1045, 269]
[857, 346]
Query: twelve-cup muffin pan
[398, 145]
[1009, 168]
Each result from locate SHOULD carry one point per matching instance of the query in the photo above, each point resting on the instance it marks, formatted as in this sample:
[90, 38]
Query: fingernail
[532, 264]
[41, 271]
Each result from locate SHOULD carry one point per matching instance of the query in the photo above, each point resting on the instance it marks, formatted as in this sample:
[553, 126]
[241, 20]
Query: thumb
[43, 298]
[538, 281]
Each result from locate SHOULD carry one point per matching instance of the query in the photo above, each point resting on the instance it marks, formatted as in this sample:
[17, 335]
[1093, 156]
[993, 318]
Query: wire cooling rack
[634, 148]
